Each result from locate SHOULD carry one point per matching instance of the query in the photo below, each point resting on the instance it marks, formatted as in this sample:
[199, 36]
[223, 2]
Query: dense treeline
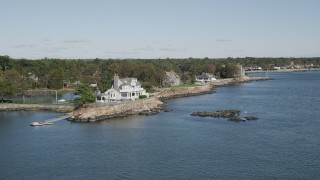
[17, 75]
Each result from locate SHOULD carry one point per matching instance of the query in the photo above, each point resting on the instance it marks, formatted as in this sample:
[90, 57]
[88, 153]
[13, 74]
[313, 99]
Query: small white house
[205, 78]
[122, 89]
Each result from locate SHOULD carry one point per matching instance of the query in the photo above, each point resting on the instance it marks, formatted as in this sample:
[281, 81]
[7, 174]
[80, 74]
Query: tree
[10, 83]
[86, 95]
[4, 62]
[6, 88]
[229, 71]
[55, 78]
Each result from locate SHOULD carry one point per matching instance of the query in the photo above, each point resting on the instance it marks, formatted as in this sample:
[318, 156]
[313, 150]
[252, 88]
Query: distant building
[171, 79]
[33, 77]
[205, 78]
[94, 87]
[253, 68]
[122, 89]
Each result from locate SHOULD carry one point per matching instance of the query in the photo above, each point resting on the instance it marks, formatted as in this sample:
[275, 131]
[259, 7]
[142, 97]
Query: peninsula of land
[154, 104]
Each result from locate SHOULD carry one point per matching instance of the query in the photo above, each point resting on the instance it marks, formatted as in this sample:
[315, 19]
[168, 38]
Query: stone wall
[35, 107]
[167, 93]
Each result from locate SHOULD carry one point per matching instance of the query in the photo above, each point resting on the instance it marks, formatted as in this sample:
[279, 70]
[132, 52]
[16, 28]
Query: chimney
[116, 81]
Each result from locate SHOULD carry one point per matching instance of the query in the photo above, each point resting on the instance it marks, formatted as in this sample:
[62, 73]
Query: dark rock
[232, 115]
[237, 119]
[223, 114]
[149, 113]
[251, 118]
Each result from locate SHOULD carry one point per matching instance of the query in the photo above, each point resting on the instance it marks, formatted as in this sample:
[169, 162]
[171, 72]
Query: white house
[122, 89]
[205, 78]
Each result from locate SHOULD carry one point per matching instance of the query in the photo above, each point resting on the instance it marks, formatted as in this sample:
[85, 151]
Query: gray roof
[127, 81]
[204, 76]
[172, 75]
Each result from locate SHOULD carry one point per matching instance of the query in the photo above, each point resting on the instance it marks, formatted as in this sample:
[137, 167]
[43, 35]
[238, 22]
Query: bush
[142, 96]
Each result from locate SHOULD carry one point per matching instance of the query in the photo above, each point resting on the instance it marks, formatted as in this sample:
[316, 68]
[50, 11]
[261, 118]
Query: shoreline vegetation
[153, 105]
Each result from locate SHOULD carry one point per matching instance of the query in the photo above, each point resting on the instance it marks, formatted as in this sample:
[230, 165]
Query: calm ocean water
[283, 144]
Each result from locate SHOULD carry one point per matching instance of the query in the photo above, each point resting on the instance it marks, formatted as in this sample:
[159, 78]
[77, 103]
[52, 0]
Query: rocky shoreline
[151, 106]
[98, 111]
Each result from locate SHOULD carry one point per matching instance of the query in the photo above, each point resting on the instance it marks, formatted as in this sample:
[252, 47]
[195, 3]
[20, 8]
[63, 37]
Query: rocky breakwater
[36, 107]
[175, 92]
[98, 111]
[233, 81]
[168, 93]
[232, 115]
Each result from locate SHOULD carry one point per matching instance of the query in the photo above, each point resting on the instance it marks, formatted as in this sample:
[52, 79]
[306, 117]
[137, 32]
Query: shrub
[142, 96]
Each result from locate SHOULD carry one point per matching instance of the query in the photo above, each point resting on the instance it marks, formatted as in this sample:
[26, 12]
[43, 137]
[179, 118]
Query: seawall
[168, 93]
[283, 70]
[36, 107]
[233, 81]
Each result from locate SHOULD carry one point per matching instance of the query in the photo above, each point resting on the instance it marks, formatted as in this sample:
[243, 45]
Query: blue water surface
[283, 144]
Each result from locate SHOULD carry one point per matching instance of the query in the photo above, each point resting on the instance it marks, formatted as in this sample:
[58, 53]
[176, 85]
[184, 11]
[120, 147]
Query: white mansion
[122, 89]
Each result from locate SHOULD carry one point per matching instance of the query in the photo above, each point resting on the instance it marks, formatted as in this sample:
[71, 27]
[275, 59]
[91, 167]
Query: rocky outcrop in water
[222, 114]
[231, 115]
[251, 118]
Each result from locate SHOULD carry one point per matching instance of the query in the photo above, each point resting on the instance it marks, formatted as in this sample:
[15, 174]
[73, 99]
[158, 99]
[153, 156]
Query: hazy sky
[159, 28]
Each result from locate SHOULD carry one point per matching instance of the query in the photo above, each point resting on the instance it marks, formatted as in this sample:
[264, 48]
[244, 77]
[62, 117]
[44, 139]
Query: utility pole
[56, 95]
